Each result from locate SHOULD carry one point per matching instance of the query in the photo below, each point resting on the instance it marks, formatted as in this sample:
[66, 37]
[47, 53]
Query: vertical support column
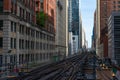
[17, 45]
[35, 50]
[30, 39]
[6, 39]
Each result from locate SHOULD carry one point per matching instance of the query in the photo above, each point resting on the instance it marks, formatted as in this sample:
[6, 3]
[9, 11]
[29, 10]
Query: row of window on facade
[117, 6]
[28, 31]
[33, 57]
[23, 13]
[39, 5]
[28, 16]
[27, 44]
[30, 4]
[25, 58]
[116, 2]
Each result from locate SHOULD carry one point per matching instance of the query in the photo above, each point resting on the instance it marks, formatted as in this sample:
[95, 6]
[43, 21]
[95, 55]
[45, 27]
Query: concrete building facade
[62, 28]
[84, 42]
[98, 29]
[114, 37]
[70, 27]
[23, 42]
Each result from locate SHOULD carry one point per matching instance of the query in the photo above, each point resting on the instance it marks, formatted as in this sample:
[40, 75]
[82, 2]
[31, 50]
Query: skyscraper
[75, 17]
[103, 11]
[114, 37]
[75, 25]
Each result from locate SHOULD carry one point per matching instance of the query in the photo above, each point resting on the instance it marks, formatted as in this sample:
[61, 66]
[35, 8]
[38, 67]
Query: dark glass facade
[75, 17]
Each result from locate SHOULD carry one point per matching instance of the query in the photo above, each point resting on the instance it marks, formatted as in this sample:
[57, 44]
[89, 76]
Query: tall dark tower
[75, 26]
[76, 21]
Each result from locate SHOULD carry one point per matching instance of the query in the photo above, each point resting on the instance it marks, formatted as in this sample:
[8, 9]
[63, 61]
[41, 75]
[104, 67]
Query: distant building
[75, 43]
[114, 37]
[74, 24]
[76, 21]
[70, 27]
[94, 32]
[84, 42]
[103, 11]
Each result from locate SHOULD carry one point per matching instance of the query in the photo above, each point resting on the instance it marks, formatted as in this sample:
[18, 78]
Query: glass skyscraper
[75, 17]
[74, 24]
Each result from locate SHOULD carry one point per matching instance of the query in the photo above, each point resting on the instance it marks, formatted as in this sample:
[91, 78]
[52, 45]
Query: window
[19, 43]
[114, 2]
[1, 58]
[73, 38]
[23, 13]
[20, 12]
[15, 43]
[26, 44]
[11, 43]
[31, 44]
[12, 10]
[114, 6]
[37, 4]
[13, 7]
[119, 6]
[13, 26]
[41, 5]
[22, 44]
[32, 33]
[1, 24]
[1, 5]
[1, 42]
[21, 29]
[118, 2]
[40, 45]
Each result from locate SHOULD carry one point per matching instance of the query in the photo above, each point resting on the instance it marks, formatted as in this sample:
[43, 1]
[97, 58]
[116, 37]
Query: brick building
[38, 5]
[50, 11]
[105, 8]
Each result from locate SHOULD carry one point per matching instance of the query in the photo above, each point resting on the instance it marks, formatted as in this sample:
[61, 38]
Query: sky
[87, 12]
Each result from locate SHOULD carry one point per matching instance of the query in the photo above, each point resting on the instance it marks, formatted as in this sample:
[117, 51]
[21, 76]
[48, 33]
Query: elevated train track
[63, 70]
